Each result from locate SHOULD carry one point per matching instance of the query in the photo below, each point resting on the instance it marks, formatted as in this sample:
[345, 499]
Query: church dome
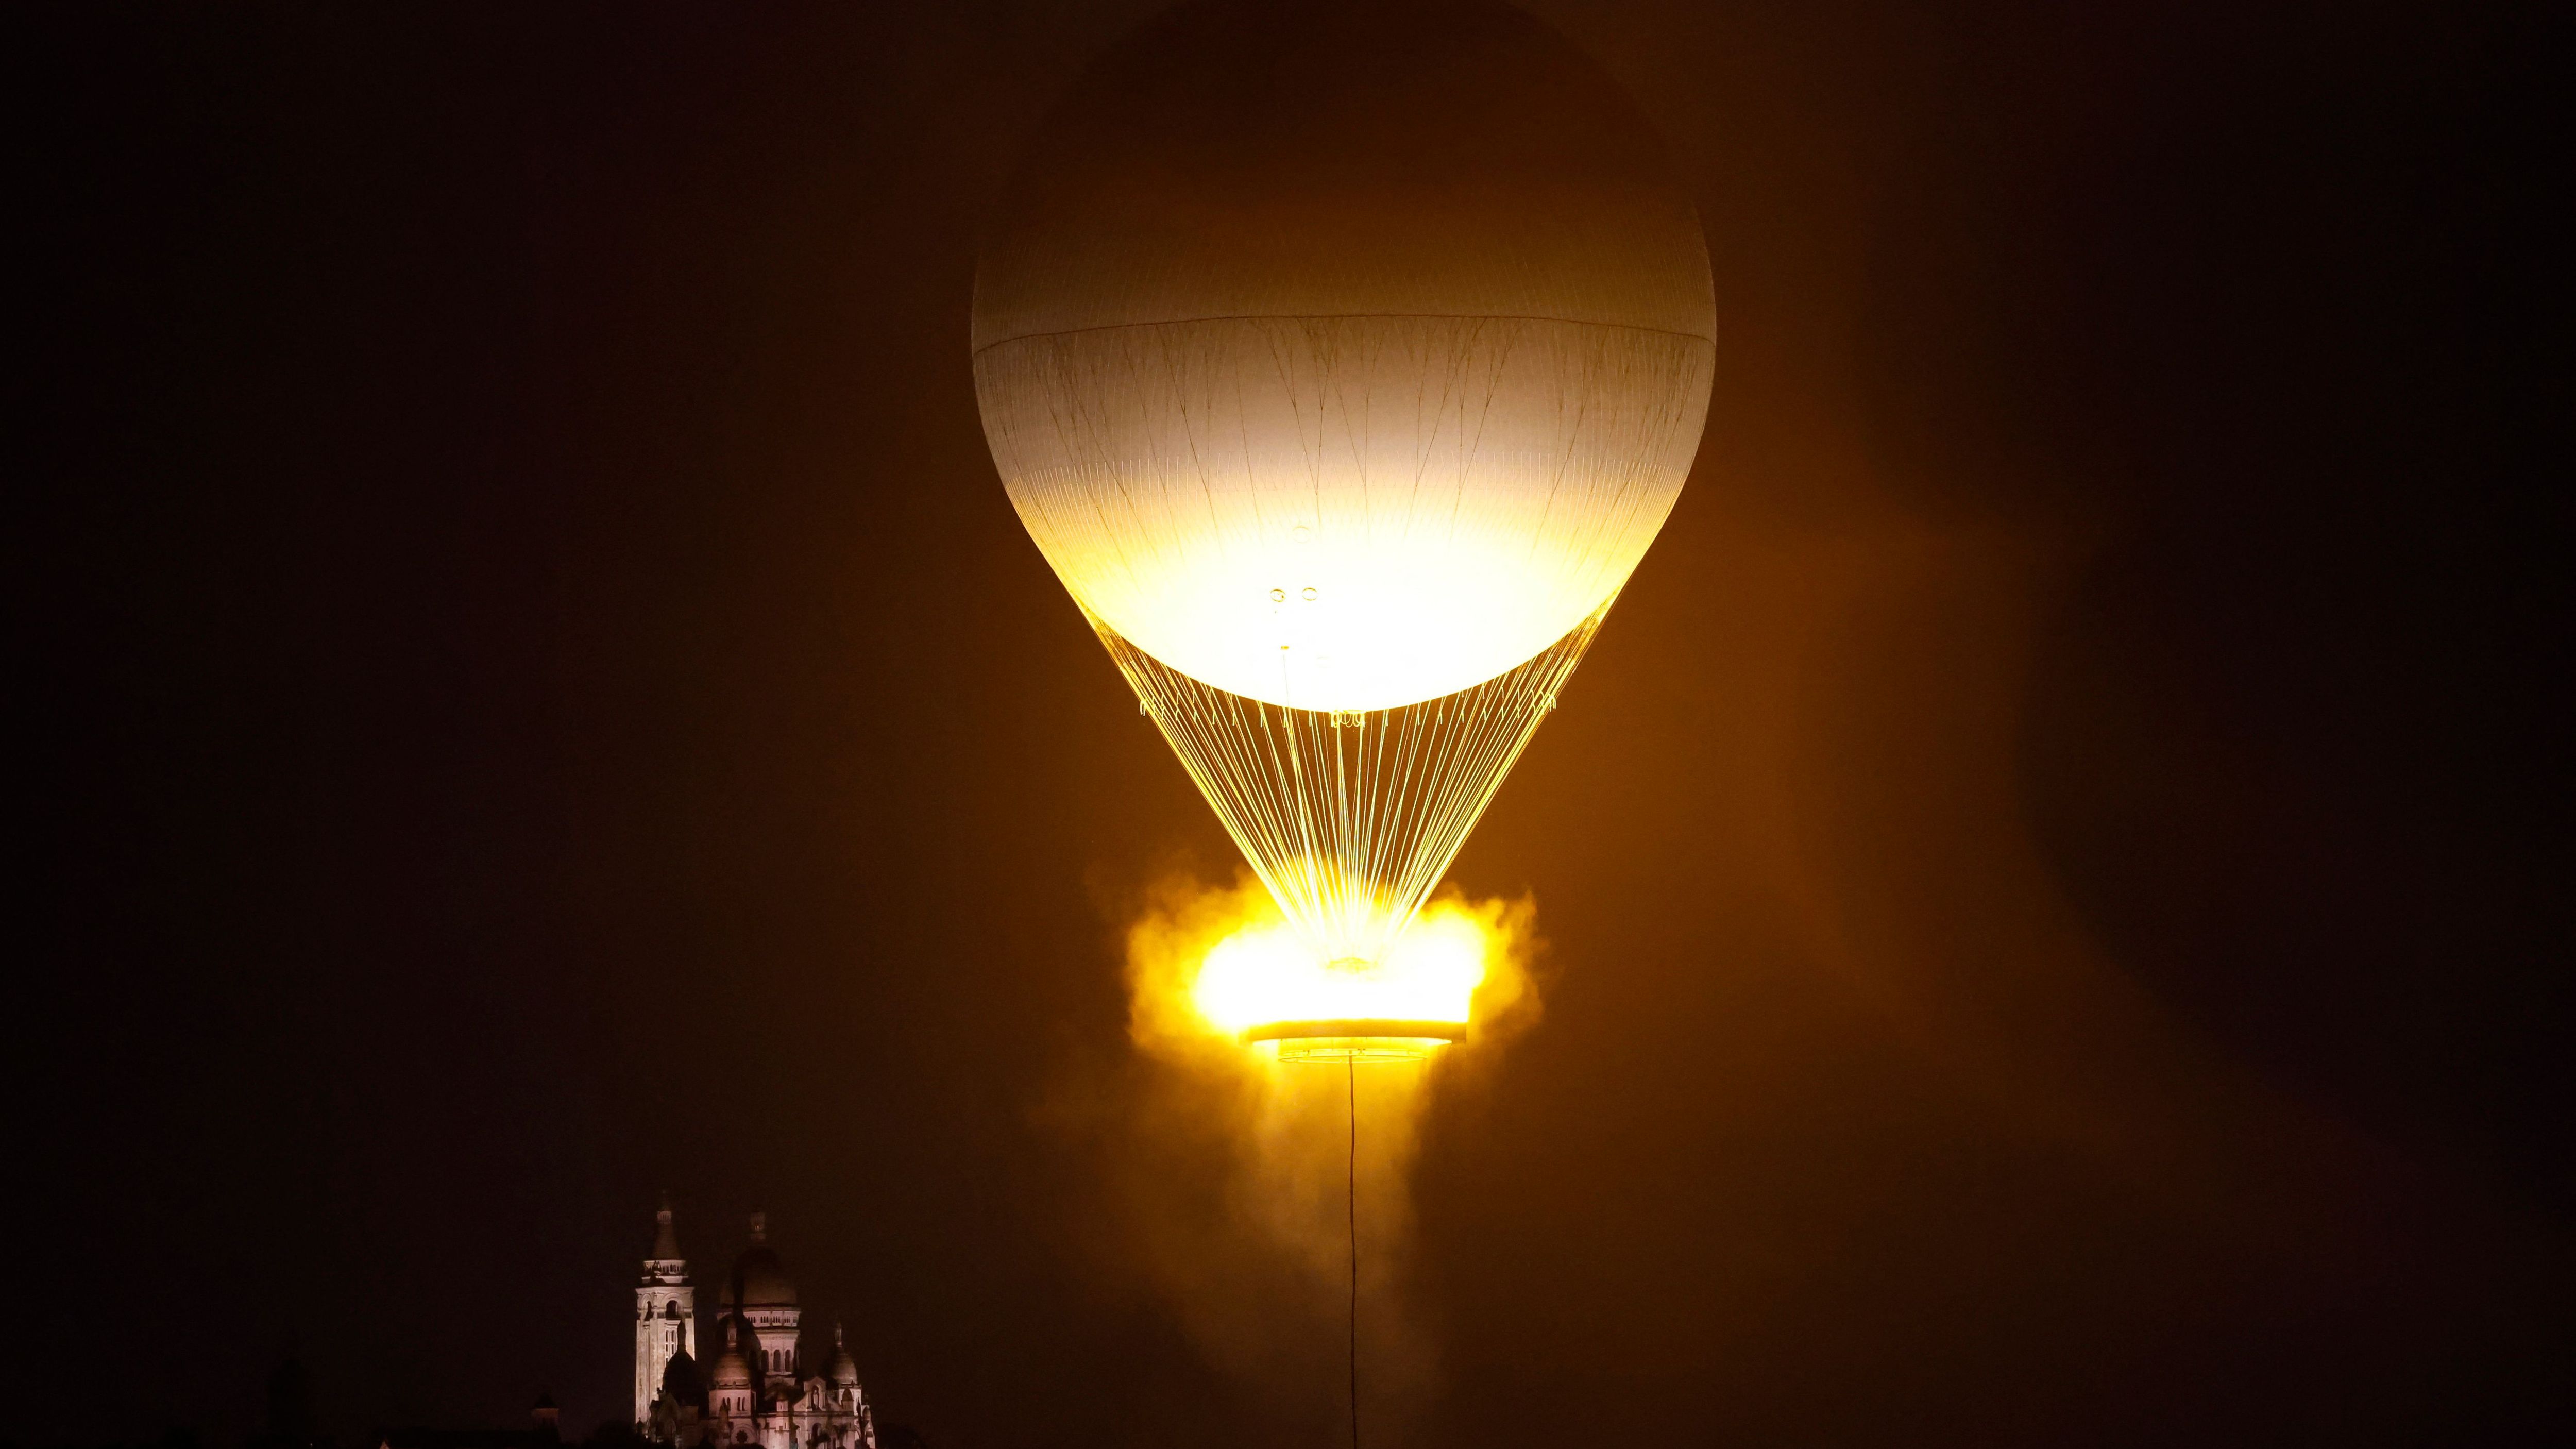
[732, 1372]
[758, 1281]
[845, 1371]
[680, 1379]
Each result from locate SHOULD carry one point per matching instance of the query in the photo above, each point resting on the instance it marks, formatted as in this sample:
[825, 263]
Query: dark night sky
[529, 693]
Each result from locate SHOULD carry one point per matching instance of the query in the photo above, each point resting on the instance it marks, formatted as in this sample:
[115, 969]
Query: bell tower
[666, 1313]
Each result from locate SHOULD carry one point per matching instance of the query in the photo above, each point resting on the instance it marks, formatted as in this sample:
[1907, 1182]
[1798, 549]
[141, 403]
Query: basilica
[758, 1393]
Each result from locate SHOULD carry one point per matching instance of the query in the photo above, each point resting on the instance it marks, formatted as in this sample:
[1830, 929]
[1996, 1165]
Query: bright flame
[1262, 975]
[1258, 1267]
[1219, 971]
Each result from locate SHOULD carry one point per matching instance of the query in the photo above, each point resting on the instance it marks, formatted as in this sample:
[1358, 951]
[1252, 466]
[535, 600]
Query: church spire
[666, 1313]
[666, 1243]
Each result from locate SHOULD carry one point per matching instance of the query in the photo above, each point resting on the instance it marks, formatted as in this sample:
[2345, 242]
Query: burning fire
[1224, 965]
[1270, 1200]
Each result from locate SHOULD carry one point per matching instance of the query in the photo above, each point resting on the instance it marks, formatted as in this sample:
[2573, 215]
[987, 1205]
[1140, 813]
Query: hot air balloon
[1343, 361]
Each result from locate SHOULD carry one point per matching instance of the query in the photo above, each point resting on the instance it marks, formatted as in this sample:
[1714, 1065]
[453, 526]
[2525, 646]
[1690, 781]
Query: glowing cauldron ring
[1358, 1030]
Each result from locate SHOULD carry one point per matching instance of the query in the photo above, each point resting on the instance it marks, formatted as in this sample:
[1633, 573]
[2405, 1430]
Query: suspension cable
[1350, 817]
[1351, 1188]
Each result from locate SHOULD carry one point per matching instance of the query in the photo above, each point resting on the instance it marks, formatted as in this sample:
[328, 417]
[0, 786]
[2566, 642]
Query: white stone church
[758, 1394]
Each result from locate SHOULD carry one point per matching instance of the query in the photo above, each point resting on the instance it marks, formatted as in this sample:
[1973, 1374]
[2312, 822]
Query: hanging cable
[1350, 817]
[1351, 1189]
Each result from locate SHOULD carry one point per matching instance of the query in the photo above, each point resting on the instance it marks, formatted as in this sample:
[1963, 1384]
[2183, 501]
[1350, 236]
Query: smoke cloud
[1266, 1205]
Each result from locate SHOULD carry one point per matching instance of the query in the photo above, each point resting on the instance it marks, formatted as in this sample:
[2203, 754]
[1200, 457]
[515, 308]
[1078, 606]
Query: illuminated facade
[757, 1394]
[666, 1314]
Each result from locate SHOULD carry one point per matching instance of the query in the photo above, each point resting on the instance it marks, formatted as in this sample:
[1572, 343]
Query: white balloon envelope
[1345, 513]
[1343, 365]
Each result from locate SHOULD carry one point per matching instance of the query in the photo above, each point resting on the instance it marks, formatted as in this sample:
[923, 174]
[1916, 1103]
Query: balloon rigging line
[1350, 817]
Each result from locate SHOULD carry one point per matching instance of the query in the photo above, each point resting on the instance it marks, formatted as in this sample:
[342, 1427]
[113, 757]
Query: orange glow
[1257, 1267]
[1226, 968]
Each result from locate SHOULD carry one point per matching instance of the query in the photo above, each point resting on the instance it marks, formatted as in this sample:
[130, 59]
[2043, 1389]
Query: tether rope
[1351, 1183]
